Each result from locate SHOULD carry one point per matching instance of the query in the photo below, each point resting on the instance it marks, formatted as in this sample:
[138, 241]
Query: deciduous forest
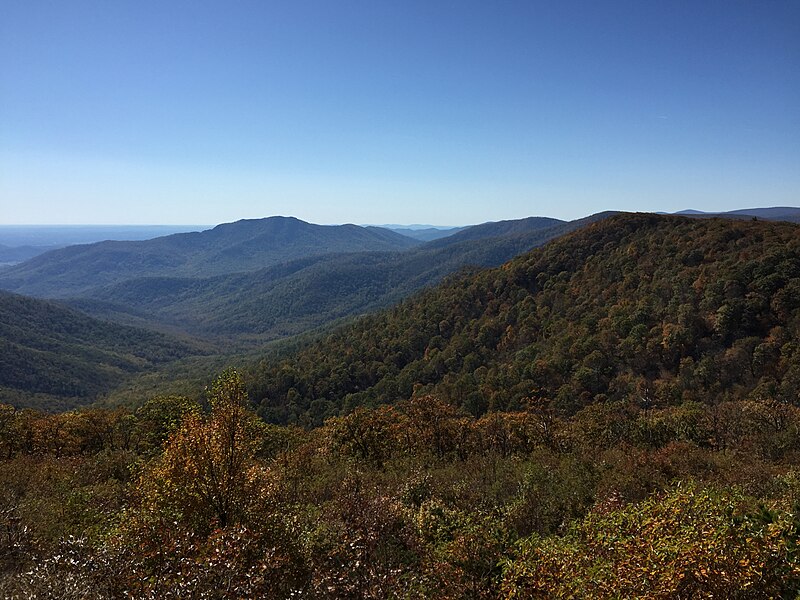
[613, 415]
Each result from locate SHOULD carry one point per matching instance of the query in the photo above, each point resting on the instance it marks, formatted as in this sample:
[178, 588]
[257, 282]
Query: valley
[532, 408]
[234, 315]
[400, 301]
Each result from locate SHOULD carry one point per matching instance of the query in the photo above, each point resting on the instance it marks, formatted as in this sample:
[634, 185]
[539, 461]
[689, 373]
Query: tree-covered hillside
[613, 415]
[298, 295]
[54, 357]
[658, 308]
[413, 500]
[245, 245]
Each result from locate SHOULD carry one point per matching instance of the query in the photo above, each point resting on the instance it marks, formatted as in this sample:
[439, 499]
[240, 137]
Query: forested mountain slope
[658, 308]
[495, 229]
[54, 357]
[298, 295]
[245, 245]
[655, 360]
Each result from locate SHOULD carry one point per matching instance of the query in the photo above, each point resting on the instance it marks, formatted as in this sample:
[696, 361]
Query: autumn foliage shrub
[691, 542]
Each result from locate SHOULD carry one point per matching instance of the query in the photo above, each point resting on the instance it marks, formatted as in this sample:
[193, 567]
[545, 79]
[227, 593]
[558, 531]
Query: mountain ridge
[671, 308]
[772, 213]
[292, 297]
[245, 245]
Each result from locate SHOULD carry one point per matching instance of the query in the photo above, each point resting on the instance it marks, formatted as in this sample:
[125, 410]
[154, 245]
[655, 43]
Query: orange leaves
[690, 542]
[207, 472]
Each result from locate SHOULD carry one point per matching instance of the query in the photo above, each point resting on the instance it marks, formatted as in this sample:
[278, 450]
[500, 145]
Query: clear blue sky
[407, 111]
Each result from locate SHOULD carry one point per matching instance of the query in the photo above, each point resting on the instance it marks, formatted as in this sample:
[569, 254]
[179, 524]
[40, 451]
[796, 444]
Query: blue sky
[394, 112]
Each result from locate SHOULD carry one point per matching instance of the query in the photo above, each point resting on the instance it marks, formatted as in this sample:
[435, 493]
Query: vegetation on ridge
[415, 500]
[614, 415]
[661, 309]
[57, 358]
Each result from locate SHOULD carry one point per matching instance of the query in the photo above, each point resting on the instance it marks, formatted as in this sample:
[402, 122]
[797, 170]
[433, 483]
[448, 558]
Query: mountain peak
[242, 246]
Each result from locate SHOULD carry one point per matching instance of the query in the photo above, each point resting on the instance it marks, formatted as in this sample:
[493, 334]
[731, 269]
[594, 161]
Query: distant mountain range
[236, 286]
[266, 278]
[269, 278]
[19, 243]
[426, 234]
[246, 245]
[298, 295]
[777, 213]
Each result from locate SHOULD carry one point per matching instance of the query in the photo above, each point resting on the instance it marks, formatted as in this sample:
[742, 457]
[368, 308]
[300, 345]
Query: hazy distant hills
[11, 255]
[19, 243]
[426, 234]
[294, 296]
[784, 213]
[245, 245]
[55, 357]
[283, 298]
[776, 213]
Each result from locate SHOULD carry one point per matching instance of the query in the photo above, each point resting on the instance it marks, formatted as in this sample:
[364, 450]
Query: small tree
[207, 474]
[205, 524]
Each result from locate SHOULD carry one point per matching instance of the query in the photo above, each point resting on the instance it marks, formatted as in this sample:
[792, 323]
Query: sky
[450, 113]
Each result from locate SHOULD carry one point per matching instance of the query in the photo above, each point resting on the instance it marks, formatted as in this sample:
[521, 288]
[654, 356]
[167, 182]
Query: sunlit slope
[659, 308]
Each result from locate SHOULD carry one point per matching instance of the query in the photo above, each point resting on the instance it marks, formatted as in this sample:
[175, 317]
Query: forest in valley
[213, 297]
[615, 414]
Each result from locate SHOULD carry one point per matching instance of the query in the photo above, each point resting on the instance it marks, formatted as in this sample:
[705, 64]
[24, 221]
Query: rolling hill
[663, 309]
[56, 358]
[245, 245]
[299, 295]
